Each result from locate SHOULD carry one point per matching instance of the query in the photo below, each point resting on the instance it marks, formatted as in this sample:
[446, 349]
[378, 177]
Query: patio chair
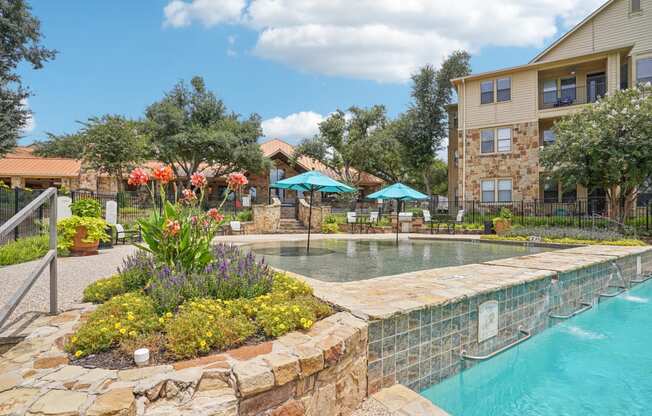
[427, 219]
[121, 234]
[373, 219]
[352, 220]
[449, 226]
[236, 227]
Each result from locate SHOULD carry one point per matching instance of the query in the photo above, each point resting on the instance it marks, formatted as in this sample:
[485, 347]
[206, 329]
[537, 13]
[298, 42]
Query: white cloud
[382, 40]
[230, 50]
[30, 123]
[294, 127]
[179, 13]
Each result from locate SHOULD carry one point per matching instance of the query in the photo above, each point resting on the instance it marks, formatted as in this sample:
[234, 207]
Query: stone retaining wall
[319, 372]
[318, 214]
[267, 218]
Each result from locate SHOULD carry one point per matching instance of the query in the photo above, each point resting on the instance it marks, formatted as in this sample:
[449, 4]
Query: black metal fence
[11, 202]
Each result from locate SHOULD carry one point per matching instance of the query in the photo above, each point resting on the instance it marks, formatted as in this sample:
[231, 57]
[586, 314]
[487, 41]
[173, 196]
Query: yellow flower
[308, 324]
[161, 320]
[202, 343]
[295, 309]
[123, 331]
[73, 339]
[130, 317]
[168, 315]
[104, 329]
[282, 326]
[132, 333]
[117, 325]
[209, 334]
[78, 353]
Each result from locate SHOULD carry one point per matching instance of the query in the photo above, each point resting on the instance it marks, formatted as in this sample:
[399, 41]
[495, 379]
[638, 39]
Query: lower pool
[598, 363]
[342, 260]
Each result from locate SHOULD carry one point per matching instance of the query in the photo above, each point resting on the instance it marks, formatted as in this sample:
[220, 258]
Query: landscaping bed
[571, 236]
[234, 300]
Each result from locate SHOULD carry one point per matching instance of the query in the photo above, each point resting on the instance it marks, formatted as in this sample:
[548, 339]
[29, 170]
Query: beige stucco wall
[614, 27]
[521, 165]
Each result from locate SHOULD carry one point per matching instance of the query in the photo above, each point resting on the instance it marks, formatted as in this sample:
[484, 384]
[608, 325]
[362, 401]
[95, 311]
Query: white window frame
[496, 149]
[493, 91]
[498, 100]
[495, 190]
[638, 61]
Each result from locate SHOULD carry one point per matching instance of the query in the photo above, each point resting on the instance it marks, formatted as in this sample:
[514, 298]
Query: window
[636, 6]
[488, 191]
[569, 193]
[496, 190]
[550, 190]
[548, 137]
[504, 190]
[568, 91]
[550, 91]
[644, 70]
[624, 76]
[504, 89]
[505, 139]
[487, 140]
[487, 92]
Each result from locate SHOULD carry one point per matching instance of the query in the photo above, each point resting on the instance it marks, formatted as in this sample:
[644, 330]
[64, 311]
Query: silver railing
[50, 259]
[527, 334]
[584, 306]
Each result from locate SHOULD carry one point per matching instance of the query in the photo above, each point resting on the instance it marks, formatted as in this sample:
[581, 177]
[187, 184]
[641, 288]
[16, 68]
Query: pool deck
[383, 297]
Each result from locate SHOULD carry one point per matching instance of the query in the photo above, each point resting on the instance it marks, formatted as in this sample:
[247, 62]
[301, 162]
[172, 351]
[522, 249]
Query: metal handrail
[620, 290]
[643, 278]
[585, 307]
[522, 330]
[50, 259]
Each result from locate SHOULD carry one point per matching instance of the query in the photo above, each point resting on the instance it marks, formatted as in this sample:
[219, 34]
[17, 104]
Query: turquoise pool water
[348, 260]
[598, 363]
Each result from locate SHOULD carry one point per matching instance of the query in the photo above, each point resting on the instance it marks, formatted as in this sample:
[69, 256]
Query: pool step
[292, 226]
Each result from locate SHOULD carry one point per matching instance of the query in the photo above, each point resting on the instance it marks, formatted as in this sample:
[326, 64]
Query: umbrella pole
[309, 221]
[397, 224]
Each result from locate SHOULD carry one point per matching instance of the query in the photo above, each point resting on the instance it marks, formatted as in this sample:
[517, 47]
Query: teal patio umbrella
[312, 182]
[399, 192]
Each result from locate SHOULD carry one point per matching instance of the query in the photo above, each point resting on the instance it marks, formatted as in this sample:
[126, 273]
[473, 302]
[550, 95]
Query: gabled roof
[274, 147]
[22, 162]
[573, 30]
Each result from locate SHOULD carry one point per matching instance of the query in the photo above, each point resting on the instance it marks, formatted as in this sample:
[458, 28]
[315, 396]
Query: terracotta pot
[81, 248]
[502, 226]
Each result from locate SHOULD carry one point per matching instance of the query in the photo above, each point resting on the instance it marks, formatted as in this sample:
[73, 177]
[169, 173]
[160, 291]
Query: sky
[291, 61]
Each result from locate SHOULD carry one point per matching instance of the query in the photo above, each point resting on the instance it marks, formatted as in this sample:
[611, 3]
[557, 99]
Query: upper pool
[598, 364]
[341, 260]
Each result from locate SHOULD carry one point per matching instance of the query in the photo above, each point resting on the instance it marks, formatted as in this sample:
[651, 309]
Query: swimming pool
[597, 363]
[344, 260]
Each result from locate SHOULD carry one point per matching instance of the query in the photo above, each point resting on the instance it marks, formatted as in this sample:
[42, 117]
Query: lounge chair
[236, 227]
[352, 220]
[449, 226]
[121, 234]
[373, 219]
[427, 219]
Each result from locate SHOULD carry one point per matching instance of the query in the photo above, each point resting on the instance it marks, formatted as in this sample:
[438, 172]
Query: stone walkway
[75, 273]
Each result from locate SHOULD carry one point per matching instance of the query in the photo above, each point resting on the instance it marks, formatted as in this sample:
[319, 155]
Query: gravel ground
[371, 407]
[75, 273]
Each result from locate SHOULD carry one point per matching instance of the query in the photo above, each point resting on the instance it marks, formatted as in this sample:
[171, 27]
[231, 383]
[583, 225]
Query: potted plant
[82, 232]
[503, 222]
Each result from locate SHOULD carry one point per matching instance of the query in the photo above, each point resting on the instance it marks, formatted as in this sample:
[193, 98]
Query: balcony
[571, 95]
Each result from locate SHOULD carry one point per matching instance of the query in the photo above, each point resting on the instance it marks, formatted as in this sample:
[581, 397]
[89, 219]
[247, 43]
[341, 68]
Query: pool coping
[385, 296]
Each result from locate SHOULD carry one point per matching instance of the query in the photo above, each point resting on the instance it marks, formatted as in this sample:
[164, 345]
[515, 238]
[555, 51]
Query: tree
[19, 41]
[342, 143]
[191, 130]
[64, 145]
[427, 127]
[385, 155]
[113, 145]
[607, 145]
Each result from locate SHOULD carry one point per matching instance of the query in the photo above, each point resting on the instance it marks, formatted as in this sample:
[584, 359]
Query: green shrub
[330, 219]
[205, 324]
[125, 316]
[24, 249]
[104, 289]
[245, 216]
[329, 228]
[567, 240]
[67, 228]
[137, 270]
[277, 316]
[86, 207]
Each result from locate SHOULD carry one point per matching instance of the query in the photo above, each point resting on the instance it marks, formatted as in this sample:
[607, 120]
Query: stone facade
[267, 218]
[318, 214]
[521, 165]
[321, 372]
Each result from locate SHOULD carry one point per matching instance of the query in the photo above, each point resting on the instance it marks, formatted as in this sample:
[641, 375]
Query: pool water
[598, 363]
[349, 260]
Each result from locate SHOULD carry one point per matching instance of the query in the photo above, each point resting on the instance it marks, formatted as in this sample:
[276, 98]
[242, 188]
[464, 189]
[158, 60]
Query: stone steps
[292, 226]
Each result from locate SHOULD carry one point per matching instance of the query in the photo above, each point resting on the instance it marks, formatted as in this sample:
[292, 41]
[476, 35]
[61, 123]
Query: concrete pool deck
[385, 296]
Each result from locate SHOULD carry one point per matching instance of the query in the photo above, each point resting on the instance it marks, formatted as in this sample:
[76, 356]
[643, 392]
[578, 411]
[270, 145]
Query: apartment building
[504, 117]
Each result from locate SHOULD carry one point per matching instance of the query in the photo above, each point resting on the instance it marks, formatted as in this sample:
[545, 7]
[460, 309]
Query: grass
[25, 249]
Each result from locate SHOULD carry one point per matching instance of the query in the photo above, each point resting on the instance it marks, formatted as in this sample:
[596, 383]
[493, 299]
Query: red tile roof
[21, 162]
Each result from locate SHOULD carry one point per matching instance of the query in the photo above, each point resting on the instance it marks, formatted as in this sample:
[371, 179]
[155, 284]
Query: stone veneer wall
[318, 214]
[267, 218]
[321, 372]
[521, 164]
[422, 347]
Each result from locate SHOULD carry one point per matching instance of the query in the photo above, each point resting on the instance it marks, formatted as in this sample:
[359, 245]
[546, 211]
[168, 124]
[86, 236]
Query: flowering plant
[179, 236]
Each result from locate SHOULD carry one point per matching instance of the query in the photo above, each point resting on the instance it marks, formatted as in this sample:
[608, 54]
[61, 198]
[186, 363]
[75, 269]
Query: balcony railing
[569, 96]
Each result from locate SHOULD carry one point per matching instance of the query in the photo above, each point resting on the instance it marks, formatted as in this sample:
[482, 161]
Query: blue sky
[291, 61]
